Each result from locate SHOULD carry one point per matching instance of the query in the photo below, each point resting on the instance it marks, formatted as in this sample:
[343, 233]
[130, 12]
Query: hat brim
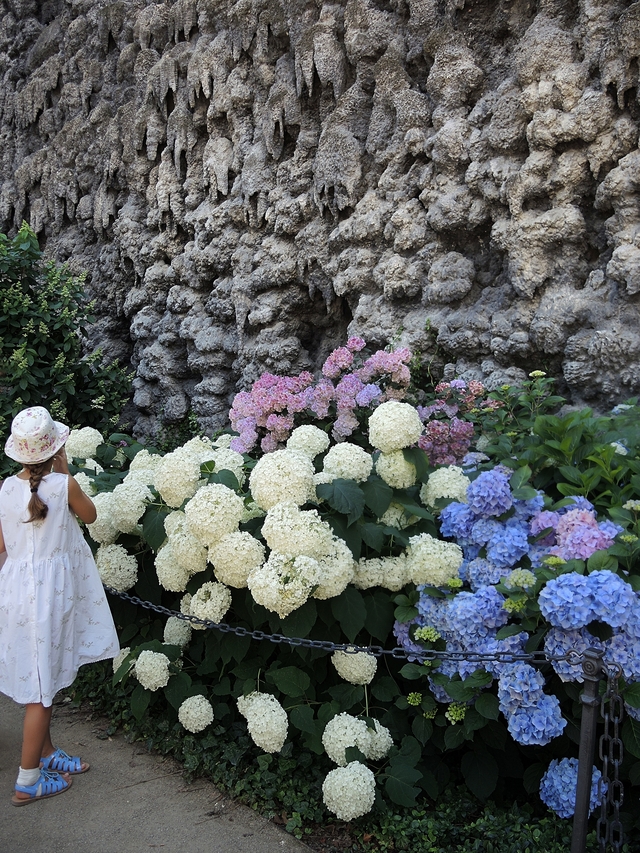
[12, 452]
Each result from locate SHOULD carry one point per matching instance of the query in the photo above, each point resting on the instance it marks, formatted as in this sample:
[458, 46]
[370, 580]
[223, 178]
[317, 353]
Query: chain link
[572, 656]
[610, 789]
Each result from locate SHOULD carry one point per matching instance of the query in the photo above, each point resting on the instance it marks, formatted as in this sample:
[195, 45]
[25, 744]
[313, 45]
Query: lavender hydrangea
[489, 494]
[508, 545]
[533, 718]
[482, 572]
[559, 783]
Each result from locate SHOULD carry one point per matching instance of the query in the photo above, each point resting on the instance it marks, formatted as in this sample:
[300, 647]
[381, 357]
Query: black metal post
[592, 669]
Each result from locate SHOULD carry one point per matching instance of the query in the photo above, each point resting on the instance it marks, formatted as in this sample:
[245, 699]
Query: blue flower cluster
[559, 783]
[508, 545]
[481, 572]
[472, 616]
[572, 601]
[490, 494]
[559, 641]
[533, 718]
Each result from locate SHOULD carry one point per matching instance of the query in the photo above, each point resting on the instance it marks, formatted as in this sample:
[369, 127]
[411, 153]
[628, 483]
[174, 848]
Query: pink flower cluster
[458, 397]
[575, 535]
[446, 442]
[268, 412]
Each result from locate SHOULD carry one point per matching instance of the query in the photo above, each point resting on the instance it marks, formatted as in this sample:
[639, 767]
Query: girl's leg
[35, 735]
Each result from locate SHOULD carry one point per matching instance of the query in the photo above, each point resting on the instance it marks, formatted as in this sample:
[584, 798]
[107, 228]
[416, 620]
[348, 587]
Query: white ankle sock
[28, 777]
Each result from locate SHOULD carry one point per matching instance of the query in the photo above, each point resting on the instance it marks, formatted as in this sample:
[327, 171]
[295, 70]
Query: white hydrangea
[397, 516]
[309, 440]
[223, 440]
[174, 522]
[337, 568]
[152, 669]
[266, 720]
[289, 530]
[171, 575]
[185, 604]
[213, 512]
[234, 556]
[449, 482]
[395, 470]
[210, 602]
[432, 561]
[177, 632]
[355, 667]
[349, 792]
[283, 475]
[195, 713]
[380, 742]
[103, 530]
[117, 568]
[251, 510]
[85, 482]
[143, 467]
[284, 583]
[189, 553]
[119, 659]
[92, 465]
[200, 447]
[394, 426]
[177, 477]
[128, 505]
[83, 443]
[341, 732]
[348, 462]
[387, 572]
[228, 460]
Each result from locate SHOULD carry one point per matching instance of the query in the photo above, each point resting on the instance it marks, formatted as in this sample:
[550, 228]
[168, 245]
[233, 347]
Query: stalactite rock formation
[248, 182]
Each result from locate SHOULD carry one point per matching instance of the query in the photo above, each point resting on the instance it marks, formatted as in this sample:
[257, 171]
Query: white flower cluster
[266, 720]
[92, 465]
[234, 556]
[432, 561]
[171, 575]
[349, 792]
[283, 475]
[284, 583]
[117, 568]
[394, 469]
[152, 669]
[344, 731]
[119, 659]
[85, 482]
[337, 568]
[195, 713]
[355, 667]
[393, 426]
[177, 477]
[213, 512]
[103, 530]
[348, 462]
[228, 460]
[309, 440]
[223, 440]
[449, 482]
[397, 516]
[189, 553]
[210, 602]
[177, 632]
[128, 504]
[83, 443]
[143, 467]
[387, 572]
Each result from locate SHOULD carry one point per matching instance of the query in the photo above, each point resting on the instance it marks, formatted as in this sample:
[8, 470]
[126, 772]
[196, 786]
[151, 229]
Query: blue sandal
[60, 762]
[47, 785]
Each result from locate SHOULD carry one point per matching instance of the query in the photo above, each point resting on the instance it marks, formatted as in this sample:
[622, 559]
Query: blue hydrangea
[433, 612]
[401, 633]
[625, 651]
[559, 783]
[524, 510]
[507, 546]
[538, 723]
[474, 615]
[559, 642]
[578, 503]
[610, 529]
[481, 572]
[490, 494]
[456, 521]
[519, 684]
[514, 644]
[484, 529]
[567, 601]
[614, 601]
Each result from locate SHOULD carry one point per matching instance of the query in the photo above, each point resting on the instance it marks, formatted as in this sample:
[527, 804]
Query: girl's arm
[3, 547]
[80, 503]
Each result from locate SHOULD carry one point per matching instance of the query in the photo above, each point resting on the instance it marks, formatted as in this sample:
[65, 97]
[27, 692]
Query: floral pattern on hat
[35, 436]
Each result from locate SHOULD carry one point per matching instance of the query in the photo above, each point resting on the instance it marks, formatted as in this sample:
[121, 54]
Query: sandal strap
[46, 784]
[61, 762]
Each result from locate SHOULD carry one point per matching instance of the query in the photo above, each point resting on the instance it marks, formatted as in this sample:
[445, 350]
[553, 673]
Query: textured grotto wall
[246, 180]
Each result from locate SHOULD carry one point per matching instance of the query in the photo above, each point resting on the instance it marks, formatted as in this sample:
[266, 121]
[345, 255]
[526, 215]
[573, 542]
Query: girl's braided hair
[37, 507]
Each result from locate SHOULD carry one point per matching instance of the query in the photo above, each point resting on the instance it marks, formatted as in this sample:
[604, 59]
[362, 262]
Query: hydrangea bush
[330, 512]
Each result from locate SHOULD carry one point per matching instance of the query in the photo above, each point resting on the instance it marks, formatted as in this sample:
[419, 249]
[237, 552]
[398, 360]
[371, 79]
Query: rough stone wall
[245, 181]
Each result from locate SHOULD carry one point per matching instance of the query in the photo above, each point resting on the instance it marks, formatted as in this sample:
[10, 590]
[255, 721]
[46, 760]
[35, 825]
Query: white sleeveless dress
[54, 614]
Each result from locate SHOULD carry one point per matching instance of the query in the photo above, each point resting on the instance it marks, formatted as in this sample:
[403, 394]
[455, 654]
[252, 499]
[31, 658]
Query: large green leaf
[178, 689]
[631, 736]
[153, 525]
[373, 535]
[422, 728]
[488, 706]
[400, 782]
[290, 680]
[140, 699]
[379, 619]
[350, 611]
[347, 695]
[345, 496]
[301, 621]
[302, 718]
[377, 495]
[480, 772]
[631, 694]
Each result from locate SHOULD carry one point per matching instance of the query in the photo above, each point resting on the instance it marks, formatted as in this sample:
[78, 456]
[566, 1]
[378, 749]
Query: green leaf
[384, 689]
[301, 621]
[532, 776]
[345, 496]
[519, 477]
[379, 619]
[227, 478]
[631, 694]
[508, 631]
[631, 736]
[634, 773]
[400, 780]
[302, 718]
[289, 680]
[480, 771]
[422, 728]
[413, 671]
[373, 535]
[347, 695]
[600, 560]
[488, 706]
[178, 689]
[140, 699]
[377, 495]
[350, 611]
[454, 736]
[153, 525]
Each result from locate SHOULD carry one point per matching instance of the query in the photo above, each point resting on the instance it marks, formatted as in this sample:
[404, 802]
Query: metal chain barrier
[610, 789]
[572, 656]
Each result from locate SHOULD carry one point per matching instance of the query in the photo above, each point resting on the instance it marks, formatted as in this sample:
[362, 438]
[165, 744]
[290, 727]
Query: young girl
[54, 615]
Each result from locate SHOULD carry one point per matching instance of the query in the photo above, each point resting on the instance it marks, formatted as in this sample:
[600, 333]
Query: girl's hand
[60, 464]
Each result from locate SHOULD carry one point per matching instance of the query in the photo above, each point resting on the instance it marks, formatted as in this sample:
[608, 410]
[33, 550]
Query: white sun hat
[35, 436]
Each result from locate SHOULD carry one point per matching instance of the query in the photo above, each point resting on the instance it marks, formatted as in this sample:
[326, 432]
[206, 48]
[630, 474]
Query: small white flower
[283, 475]
[394, 469]
[348, 462]
[308, 439]
[341, 732]
[128, 505]
[234, 556]
[152, 669]
[177, 477]
[284, 583]
[266, 720]
[213, 512]
[432, 561]
[103, 530]
[85, 482]
[177, 632]
[387, 572]
[210, 602]
[349, 792]
[171, 575]
[355, 667]
[117, 568]
[83, 443]
[394, 426]
[449, 482]
[620, 449]
[195, 713]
